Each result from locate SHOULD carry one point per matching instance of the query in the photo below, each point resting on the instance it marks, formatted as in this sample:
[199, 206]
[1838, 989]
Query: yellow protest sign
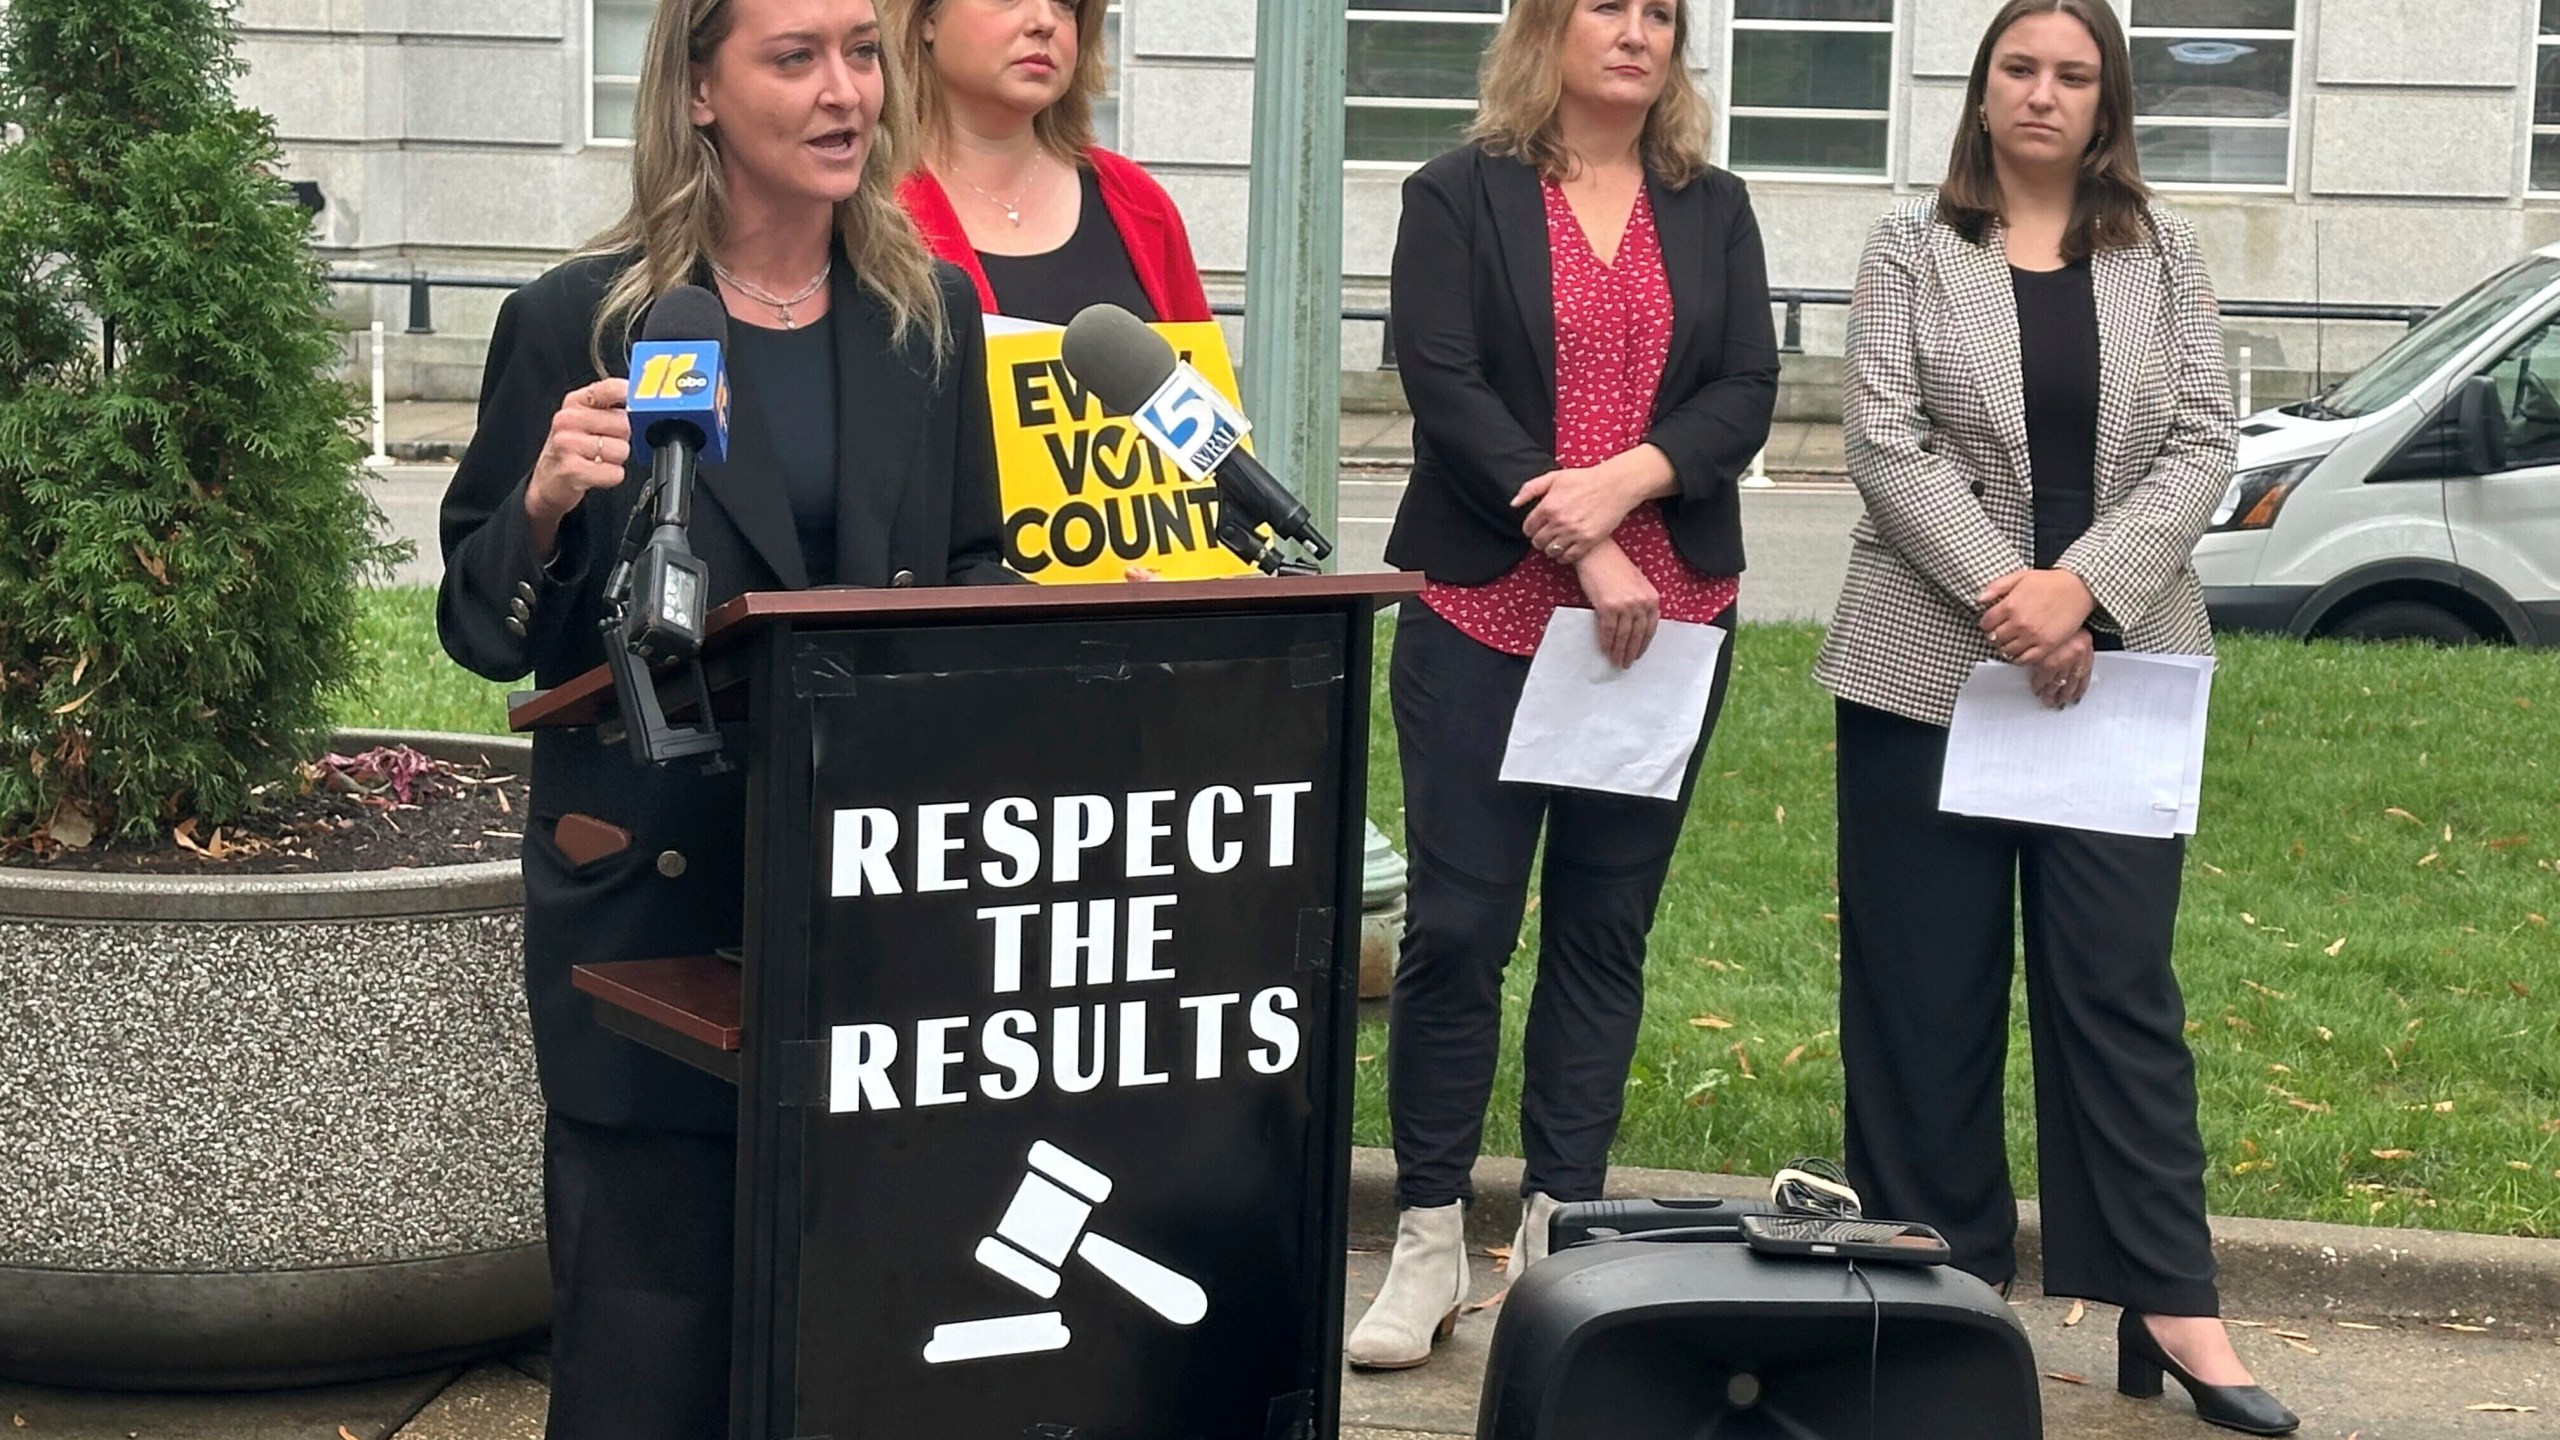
[1086, 496]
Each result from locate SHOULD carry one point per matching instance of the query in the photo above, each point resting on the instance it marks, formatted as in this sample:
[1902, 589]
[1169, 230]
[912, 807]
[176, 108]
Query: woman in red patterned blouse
[1582, 326]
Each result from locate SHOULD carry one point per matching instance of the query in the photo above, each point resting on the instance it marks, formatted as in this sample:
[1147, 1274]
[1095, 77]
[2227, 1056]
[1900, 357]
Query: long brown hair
[2112, 208]
[680, 205]
[1521, 90]
[1065, 129]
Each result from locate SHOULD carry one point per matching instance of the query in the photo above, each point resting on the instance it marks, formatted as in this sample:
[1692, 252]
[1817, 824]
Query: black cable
[1875, 1345]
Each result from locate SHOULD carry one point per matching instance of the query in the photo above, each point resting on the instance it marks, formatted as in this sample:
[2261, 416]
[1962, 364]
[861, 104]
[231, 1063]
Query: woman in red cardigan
[1013, 189]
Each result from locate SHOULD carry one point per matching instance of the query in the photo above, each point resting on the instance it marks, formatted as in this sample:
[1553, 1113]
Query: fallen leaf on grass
[1792, 1057]
[2510, 842]
[1711, 1022]
[2430, 858]
[2396, 813]
[2395, 1154]
[1782, 814]
[2211, 868]
[2248, 919]
[2518, 987]
[2079, 1312]
[2501, 1407]
[2335, 946]
[2518, 1165]
[2269, 993]
[2247, 1167]
[2066, 1377]
[1742, 1058]
[2324, 1032]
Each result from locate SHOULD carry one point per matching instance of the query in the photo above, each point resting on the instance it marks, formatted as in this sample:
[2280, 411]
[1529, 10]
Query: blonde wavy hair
[679, 201]
[1521, 90]
[1065, 129]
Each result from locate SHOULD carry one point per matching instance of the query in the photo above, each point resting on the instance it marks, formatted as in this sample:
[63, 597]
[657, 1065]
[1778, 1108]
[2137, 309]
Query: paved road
[1798, 536]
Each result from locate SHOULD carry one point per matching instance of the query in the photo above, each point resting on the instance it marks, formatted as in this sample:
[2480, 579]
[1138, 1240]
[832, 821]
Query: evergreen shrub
[183, 516]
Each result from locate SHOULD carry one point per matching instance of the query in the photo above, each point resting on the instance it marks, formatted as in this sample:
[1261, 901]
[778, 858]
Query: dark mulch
[381, 810]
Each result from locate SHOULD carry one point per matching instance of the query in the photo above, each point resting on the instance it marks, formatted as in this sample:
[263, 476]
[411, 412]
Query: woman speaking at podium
[1582, 321]
[1013, 189]
[2037, 417]
[860, 454]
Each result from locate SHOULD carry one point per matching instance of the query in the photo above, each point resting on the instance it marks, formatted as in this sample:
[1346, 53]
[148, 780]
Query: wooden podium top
[586, 699]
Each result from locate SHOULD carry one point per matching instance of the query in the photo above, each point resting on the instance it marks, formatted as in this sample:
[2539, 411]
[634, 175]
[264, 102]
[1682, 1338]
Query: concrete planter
[258, 1131]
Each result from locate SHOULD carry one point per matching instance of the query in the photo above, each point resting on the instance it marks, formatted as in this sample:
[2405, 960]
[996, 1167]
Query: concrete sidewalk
[429, 431]
[2378, 1334]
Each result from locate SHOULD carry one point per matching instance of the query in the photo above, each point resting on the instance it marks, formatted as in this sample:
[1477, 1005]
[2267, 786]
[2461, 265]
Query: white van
[2417, 499]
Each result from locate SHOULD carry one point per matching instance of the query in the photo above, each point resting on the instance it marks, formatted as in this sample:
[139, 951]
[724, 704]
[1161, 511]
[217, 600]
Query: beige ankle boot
[1426, 1283]
[1529, 1246]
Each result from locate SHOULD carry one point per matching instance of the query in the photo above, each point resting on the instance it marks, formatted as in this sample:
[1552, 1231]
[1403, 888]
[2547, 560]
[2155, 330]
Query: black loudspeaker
[1663, 1340]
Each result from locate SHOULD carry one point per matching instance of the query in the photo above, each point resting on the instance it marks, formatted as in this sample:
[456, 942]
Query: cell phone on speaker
[1822, 1237]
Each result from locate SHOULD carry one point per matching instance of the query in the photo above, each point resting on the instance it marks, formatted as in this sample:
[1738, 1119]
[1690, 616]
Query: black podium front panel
[1067, 1157]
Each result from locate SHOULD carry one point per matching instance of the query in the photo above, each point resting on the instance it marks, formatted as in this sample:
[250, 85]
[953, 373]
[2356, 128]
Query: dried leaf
[2518, 987]
[2332, 948]
[2248, 919]
[70, 705]
[72, 827]
[2465, 1329]
[2507, 842]
[2290, 1334]
[2305, 1346]
[151, 564]
[79, 668]
[2353, 1325]
[2532, 919]
[2066, 1377]
[1488, 1302]
[2430, 858]
[2212, 869]
[1711, 1022]
[2444, 1107]
[1782, 814]
[2270, 994]
[1742, 1058]
[2324, 1032]
[2079, 1312]
[2396, 813]
[2315, 1107]
[2395, 1154]
[2501, 1407]
[2518, 1165]
[346, 1434]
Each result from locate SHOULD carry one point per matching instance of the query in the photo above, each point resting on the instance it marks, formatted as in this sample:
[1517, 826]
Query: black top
[2058, 358]
[1475, 334]
[790, 377]
[1092, 268]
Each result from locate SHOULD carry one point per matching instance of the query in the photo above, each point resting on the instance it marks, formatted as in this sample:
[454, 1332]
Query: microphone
[679, 418]
[1134, 372]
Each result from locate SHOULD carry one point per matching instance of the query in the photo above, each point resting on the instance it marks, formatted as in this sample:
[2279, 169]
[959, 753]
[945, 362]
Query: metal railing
[1791, 301]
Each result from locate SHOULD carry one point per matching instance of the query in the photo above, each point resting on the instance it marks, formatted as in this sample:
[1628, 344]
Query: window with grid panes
[1106, 111]
[1412, 75]
[1810, 90]
[2213, 90]
[618, 29]
[2546, 100]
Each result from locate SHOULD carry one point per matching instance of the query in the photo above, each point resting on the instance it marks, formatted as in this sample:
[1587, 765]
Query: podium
[1042, 1023]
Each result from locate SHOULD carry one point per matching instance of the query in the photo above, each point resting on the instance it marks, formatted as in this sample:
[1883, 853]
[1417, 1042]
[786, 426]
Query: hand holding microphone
[589, 443]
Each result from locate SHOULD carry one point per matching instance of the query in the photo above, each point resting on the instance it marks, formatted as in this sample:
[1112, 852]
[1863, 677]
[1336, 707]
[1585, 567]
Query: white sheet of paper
[1585, 724]
[2127, 760]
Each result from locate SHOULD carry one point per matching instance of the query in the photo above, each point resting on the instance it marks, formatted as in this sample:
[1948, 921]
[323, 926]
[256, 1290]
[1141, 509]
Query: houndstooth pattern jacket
[1934, 415]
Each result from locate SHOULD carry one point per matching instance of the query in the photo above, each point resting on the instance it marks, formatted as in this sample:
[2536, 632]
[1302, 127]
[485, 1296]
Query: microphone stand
[643, 644]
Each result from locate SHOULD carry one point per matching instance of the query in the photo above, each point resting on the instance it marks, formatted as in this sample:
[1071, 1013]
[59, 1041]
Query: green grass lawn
[2366, 944]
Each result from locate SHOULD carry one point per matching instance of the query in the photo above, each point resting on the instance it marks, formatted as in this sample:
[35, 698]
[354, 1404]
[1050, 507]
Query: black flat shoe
[2140, 1362]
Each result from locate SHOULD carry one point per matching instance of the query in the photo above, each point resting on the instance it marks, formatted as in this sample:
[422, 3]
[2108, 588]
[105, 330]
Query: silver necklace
[1012, 208]
[761, 296]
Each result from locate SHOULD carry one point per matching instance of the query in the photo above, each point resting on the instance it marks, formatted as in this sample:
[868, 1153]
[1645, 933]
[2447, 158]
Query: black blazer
[916, 505]
[1474, 307]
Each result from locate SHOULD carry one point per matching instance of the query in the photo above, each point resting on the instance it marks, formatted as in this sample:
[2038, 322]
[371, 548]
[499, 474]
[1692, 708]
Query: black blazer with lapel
[916, 505]
[1474, 307]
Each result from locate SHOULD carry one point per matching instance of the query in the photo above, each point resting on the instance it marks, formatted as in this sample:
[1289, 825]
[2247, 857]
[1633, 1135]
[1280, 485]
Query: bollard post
[1757, 477]
[2248, 383]
[381, 407]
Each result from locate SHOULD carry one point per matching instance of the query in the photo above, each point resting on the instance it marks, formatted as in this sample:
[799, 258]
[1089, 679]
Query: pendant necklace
[761, 296]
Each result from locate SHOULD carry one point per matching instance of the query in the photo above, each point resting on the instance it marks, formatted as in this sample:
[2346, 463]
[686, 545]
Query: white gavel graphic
[1046, 1223]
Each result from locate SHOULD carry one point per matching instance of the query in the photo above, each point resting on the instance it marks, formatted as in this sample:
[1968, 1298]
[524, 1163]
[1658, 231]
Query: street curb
[2288, 1268]
[425, 452]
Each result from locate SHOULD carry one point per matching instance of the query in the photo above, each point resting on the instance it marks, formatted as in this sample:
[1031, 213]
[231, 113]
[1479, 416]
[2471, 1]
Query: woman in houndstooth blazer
[2038, 421]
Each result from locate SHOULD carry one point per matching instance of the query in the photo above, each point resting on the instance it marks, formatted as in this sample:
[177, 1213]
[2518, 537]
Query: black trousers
[1472, 839]
[1926, 956]
[641, 1226]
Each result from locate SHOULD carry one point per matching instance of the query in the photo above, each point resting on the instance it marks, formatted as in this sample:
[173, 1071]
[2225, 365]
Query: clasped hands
[1572, 514]
[2039, 619]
